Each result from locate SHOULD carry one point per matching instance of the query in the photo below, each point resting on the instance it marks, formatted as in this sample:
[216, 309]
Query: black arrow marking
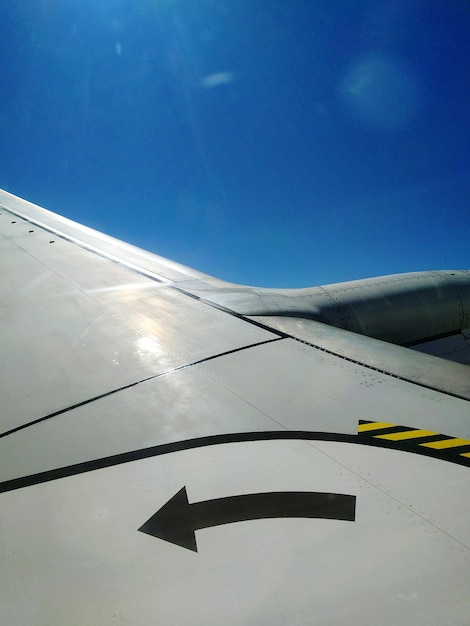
[178, 520]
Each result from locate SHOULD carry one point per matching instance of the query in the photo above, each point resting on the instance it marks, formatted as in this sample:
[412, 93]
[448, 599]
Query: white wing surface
[179, 450]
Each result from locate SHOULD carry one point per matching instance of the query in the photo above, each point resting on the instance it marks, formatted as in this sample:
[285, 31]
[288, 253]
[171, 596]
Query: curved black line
[212, 440]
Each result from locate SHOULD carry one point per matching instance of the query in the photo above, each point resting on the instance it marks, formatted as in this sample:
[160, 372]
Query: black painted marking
[177, 520]
[213, 440]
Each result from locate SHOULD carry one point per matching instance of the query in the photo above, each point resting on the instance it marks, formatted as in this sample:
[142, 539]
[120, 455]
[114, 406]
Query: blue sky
[277, 143]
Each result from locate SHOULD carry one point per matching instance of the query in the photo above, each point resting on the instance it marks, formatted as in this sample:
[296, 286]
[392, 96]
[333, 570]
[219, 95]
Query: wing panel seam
[280, 334]
[134, 384]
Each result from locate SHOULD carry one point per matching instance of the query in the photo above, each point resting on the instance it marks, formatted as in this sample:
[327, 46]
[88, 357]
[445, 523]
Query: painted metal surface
[68, 309]
[410, 365]
[121, 386]
[456, 348]
[72, 547]
[401, 308]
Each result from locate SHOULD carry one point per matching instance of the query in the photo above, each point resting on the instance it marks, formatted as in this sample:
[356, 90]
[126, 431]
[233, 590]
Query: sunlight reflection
[381, 92]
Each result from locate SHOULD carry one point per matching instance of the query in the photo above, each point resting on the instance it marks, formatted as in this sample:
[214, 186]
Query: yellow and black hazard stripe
[417, 440]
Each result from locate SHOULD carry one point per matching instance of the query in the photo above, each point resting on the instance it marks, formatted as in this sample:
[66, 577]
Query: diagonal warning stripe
[447, 443]
[408, 434]
[366, 426]
[418, 440]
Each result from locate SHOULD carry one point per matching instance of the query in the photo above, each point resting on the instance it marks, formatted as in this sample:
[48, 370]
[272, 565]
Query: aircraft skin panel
[406, 364]
[73, 553]
[307, 392]
[437, 301]
[50, 346]
[179, 406]
[458, 346]
[165, 459]
[24, 216]
[278, 386]
[66, 307]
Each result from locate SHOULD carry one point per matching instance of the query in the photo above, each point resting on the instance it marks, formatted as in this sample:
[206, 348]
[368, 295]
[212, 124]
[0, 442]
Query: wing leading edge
[127, 376]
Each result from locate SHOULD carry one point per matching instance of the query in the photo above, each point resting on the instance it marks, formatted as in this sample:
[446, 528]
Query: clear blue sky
[268, 142]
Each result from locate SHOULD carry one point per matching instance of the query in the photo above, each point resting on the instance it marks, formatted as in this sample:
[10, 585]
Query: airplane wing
[179, 450]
